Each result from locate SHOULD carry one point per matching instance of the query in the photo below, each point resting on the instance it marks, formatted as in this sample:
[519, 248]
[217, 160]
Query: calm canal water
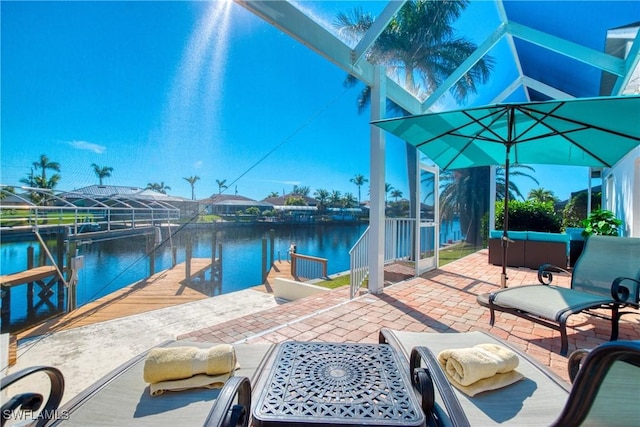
[113, 264]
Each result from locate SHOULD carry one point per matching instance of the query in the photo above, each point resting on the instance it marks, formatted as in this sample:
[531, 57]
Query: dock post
[214, 239]
[60, 260]
[5, 314]
[187, 262]
[30, 308]
[272, 237]
[71, 292]
[151, 250]
[42, 257]
[264, 260]
[220, 264]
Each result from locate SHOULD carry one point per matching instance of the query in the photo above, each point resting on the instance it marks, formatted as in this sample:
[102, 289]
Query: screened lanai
[535, 50]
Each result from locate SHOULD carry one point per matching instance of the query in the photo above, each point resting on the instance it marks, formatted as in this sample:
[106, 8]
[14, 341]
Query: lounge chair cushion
[548, 302]
[122, 397]
[607, 276]
[534, 401]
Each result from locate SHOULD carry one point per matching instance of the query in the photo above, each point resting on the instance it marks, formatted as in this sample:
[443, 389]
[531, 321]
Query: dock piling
[264, 260]
[189, 254]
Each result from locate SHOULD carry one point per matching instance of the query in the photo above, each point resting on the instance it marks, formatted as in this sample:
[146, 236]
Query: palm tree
[6, 191]
[335, 199]
[420, 41]
[160, 188]
[542, 195]
[464, 193]
[359, 180]
[301, 190]
[514, 191]
[29, 181]
[43, 164]
[387, 188]
[348, 200]
[192, 181]
[322, 196]
[41, 181]
[273, 194]
[396, 194]
[221, 185]
[101, 172]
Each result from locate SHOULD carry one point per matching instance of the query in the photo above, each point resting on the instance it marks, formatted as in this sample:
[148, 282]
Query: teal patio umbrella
[594, 132]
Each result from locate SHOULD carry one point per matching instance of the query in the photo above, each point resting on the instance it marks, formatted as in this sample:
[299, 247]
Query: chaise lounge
[606, 383]
[606, 276]
[604, 391]
[122, 397]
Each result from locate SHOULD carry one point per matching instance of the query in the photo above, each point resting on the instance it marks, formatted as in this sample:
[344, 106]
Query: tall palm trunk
[476, 203]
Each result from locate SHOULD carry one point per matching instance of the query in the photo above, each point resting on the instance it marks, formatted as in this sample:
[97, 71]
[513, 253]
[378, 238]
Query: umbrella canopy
[594, 132]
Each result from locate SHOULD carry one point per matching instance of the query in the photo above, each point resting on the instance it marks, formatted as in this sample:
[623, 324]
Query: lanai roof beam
[376, 29]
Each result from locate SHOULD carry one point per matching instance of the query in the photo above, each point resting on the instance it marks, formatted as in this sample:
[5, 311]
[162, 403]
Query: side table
[343, 384]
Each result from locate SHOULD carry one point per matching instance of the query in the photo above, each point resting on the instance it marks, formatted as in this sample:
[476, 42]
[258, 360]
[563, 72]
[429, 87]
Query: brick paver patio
[442, 300]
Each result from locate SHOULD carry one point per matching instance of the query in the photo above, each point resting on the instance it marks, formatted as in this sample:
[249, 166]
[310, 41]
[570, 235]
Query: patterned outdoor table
[337, 384]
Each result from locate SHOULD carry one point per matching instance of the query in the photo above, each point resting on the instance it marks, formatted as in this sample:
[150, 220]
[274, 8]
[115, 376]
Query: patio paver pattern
[443, 300]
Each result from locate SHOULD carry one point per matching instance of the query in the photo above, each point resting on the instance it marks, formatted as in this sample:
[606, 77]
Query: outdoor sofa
[606, 276]
[530, 249]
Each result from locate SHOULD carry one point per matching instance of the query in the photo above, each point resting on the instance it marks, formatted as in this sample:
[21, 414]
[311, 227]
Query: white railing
[398, 240]
[80, 219]
[305, 267]
[359, 262]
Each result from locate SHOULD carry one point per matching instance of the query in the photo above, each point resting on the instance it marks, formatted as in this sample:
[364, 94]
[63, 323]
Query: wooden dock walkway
[164, 289]
[32, 275]
[278, 269]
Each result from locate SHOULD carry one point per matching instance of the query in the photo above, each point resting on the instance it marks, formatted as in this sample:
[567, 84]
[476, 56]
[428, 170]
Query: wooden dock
[278, 269]
[164, 289]
[32, 275]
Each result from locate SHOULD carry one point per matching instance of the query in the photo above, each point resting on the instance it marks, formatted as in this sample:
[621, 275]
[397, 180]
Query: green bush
[601, 222]
[252, 210]
[576, 209]
[529, 215]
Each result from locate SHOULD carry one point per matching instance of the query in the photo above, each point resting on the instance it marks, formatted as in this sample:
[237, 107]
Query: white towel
[182, 368]
[480, 368]
[177, 363]
[196, 381]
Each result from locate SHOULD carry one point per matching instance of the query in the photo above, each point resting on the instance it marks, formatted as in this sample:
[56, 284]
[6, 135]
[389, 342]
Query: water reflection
[113, 264]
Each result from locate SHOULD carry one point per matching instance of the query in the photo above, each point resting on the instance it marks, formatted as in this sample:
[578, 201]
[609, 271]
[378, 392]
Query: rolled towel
[196, 381]
[469, 365]
[177, 363]
[486, 384]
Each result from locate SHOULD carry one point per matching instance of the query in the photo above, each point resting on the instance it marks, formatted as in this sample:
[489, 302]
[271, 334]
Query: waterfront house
[136, 197]
[295, 207]
[230, 204]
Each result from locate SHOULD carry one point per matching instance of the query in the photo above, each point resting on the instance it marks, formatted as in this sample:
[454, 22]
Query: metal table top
[337, 384]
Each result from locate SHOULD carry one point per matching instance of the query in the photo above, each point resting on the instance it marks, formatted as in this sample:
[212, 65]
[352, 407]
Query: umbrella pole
[505, 224]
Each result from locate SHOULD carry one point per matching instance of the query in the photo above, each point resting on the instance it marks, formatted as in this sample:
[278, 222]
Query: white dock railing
[397, 246]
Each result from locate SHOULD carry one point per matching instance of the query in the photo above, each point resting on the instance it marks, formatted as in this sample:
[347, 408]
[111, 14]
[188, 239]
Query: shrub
[602, 222]
[576, 210]
[529, 215]
[252, 210]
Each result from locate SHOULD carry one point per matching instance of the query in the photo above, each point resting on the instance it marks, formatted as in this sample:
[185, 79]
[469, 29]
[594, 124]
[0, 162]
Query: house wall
[621, 192]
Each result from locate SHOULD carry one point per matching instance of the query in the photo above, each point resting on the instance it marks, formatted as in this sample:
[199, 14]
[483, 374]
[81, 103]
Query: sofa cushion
[548, 237]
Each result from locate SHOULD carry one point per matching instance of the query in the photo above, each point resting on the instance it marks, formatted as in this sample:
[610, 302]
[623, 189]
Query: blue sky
[161, 91]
